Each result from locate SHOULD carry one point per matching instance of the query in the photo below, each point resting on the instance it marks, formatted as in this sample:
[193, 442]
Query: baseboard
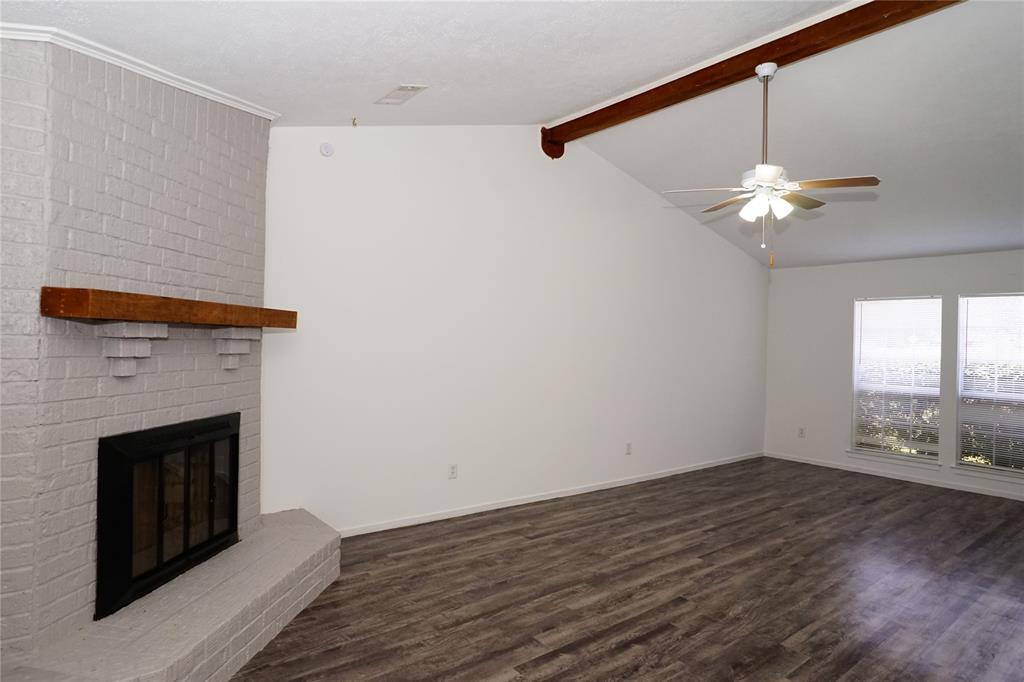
[526, 499]
[954, 485]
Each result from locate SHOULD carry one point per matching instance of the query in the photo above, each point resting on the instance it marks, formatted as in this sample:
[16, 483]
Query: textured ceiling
[934, 107]
[321, 63]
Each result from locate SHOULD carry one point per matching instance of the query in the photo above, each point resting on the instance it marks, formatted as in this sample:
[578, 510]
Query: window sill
[990, 473]
[920, 461]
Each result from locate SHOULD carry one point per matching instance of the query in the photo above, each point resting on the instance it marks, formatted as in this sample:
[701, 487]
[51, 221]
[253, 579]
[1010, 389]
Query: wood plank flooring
[760, 570]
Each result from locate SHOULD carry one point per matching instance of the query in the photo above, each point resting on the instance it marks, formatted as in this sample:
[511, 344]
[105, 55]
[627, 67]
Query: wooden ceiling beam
[854, 24]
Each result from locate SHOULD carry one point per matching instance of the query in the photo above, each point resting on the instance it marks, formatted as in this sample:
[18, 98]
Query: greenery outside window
[991, 382]
[897, 365]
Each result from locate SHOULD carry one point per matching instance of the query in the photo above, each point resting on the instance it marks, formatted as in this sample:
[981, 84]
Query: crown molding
[56, 36]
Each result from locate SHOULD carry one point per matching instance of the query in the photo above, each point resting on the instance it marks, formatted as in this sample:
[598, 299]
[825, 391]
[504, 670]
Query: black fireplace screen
[168, 500]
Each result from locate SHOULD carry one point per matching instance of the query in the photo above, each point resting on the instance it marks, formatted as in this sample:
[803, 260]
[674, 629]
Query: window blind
[897, 362]
[991, 385]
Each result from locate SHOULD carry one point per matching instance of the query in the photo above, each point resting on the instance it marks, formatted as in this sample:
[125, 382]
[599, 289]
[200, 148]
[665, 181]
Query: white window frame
[961, 466]
[934, 461]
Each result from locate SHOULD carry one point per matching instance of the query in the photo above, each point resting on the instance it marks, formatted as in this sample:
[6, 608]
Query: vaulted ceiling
[935, 107]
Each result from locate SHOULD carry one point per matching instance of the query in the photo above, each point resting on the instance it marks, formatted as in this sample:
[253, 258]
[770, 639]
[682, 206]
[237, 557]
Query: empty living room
[511, 340]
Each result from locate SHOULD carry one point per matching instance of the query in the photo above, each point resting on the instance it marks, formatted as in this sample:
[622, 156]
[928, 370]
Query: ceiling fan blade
[728, 202]
[802, 201]
[707, 189]
[824, 183]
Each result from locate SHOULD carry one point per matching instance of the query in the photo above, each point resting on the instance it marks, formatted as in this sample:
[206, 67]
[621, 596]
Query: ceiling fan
[766, 186]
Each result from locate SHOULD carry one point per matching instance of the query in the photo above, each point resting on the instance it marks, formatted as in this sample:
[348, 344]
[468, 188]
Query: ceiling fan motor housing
[764, 175]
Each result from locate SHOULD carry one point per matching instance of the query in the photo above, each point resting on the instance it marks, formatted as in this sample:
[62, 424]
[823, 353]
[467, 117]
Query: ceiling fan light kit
[767, 187]
[780, 208]
[755, 208]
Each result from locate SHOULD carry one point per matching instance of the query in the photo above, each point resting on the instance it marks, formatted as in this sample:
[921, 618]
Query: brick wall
[23, 241]
[115, 181]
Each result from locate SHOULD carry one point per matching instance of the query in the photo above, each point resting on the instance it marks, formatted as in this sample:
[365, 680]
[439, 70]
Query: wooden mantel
[101, 304]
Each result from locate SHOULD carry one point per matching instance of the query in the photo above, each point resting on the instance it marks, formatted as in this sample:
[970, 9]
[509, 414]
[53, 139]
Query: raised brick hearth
[207, 623]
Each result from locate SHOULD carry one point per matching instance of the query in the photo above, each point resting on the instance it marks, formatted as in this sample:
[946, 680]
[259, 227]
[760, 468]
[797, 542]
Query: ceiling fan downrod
[765, 72]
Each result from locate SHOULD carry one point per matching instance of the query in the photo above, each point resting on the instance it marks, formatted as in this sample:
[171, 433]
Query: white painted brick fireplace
[112, 180]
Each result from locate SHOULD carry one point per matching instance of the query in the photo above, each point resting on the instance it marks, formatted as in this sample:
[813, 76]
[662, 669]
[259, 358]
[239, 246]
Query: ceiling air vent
[401, 94]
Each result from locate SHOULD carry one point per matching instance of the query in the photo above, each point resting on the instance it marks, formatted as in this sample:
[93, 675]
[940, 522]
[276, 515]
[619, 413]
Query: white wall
[464, 299]
[810, 356]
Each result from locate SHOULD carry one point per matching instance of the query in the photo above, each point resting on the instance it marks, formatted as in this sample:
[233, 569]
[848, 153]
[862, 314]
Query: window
[897, 362]
[991, 385]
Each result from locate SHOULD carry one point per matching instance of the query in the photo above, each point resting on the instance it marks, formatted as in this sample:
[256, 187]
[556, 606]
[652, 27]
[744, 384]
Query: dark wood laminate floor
[760, 570]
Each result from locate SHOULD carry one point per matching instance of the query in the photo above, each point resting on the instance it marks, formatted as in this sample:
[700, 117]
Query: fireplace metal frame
[118, 455]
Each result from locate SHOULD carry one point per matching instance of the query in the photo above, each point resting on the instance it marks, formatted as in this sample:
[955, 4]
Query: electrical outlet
[801, 432]
[453, 471]
[629, 449]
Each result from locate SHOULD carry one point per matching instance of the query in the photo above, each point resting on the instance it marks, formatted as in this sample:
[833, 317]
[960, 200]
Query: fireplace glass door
[159, 530]
[145, 511]
[174, 504]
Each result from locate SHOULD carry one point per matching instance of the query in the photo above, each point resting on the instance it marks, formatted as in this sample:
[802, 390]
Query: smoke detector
[401, 94]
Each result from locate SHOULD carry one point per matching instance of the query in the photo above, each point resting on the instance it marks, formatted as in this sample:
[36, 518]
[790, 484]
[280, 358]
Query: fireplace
[168, 500]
